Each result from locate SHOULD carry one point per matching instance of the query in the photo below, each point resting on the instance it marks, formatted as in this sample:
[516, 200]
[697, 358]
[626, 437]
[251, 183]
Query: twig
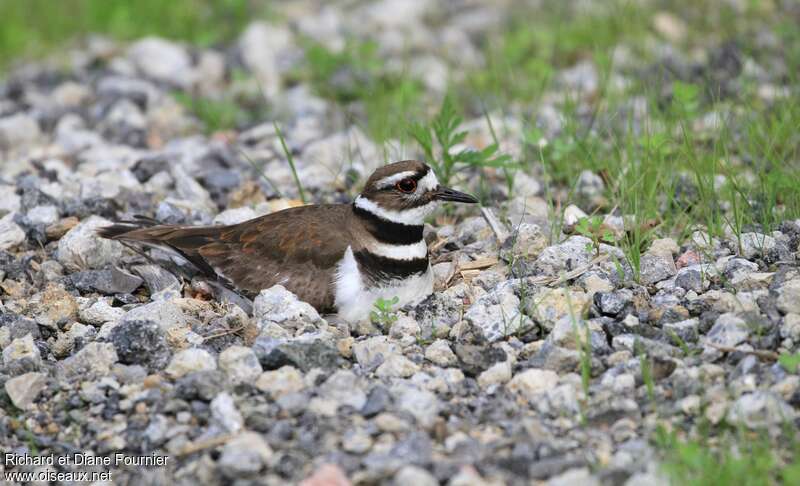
[759, 353]
[198, 446]
[499, 230]
[223, 333]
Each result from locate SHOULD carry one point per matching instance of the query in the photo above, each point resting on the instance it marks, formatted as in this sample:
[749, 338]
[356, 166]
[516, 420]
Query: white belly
[354, 300]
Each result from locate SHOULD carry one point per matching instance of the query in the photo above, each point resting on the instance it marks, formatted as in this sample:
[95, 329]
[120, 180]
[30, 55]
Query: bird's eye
[407, 185]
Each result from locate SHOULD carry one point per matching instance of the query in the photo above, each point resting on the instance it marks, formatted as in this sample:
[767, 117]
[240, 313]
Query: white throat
[411, 217]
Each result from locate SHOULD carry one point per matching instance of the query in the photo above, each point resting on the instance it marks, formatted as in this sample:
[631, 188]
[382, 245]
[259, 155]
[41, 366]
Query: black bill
[447, 194]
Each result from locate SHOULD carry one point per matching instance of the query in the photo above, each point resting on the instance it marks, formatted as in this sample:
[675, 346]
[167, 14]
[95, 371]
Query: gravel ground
[483, 383]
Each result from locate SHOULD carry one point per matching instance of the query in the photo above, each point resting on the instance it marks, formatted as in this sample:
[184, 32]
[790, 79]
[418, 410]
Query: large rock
[81, 248]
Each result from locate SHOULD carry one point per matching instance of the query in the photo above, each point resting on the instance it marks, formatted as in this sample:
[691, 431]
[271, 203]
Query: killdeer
[337, 257]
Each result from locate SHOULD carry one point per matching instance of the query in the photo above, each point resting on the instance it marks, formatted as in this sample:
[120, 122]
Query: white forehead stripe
[429, 182]
[394, 179]
[400, 252]
[411, 216]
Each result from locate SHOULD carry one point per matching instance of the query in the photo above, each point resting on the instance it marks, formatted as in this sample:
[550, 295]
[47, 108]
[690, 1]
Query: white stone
[23, 389]
[81, 248]
[440, 354]
[240, 364]
[188, 360]
[225, 413]
[162, 61]
[11, 235]
[277, 383]
[396, 366]
[22, 348]
[532, 382]
[497, 374]
[100, 312]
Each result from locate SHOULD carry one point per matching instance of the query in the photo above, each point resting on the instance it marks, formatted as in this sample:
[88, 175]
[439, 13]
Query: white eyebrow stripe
[400, 252]
[429, 182]
[394, 179]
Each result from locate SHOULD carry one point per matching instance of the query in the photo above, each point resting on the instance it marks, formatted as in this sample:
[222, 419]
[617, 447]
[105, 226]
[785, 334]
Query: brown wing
[297, 248]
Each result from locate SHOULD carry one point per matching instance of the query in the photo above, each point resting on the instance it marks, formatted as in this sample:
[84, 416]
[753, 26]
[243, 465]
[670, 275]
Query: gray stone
[22, 354]
[113, 281]
[158, 281]
[570, 254]
[244, 455]
[23, 389]
[532, 382]
[497, 374]
[99, 313]
[729, 330]
[163, 61]
[414, 475]
[11, 235]
[498, 314]
[422, 404]
[142, 342]
[760, 409]
[789, 297]
[18, 131]
[93, 361]
[225, 414]
[549, 306]
[687, 330]
[755, 245]
[613, 304]
[373, 351]
[240, 364]
[279, 306]
[282, 381]
[690, 278]
[10, 201]
[167, 314]
[81, 248]
[655, 267]
[304, 353]
[396, 366]
[189, 360]
[343, 388]
[440, 354]
[44, 215]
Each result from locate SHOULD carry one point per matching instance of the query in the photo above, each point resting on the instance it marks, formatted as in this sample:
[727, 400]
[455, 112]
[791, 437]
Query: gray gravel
[106, 351]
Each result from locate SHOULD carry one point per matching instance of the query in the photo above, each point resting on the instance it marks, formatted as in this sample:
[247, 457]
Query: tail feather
[185, 241]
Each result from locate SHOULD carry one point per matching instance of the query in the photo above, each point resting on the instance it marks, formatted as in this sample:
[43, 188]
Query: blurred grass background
[32, 28]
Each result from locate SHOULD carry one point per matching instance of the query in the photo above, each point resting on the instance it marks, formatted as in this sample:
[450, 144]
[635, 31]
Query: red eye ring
[407, 185]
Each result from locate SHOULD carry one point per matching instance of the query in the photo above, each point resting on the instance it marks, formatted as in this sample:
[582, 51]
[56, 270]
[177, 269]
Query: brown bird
[337, 257]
